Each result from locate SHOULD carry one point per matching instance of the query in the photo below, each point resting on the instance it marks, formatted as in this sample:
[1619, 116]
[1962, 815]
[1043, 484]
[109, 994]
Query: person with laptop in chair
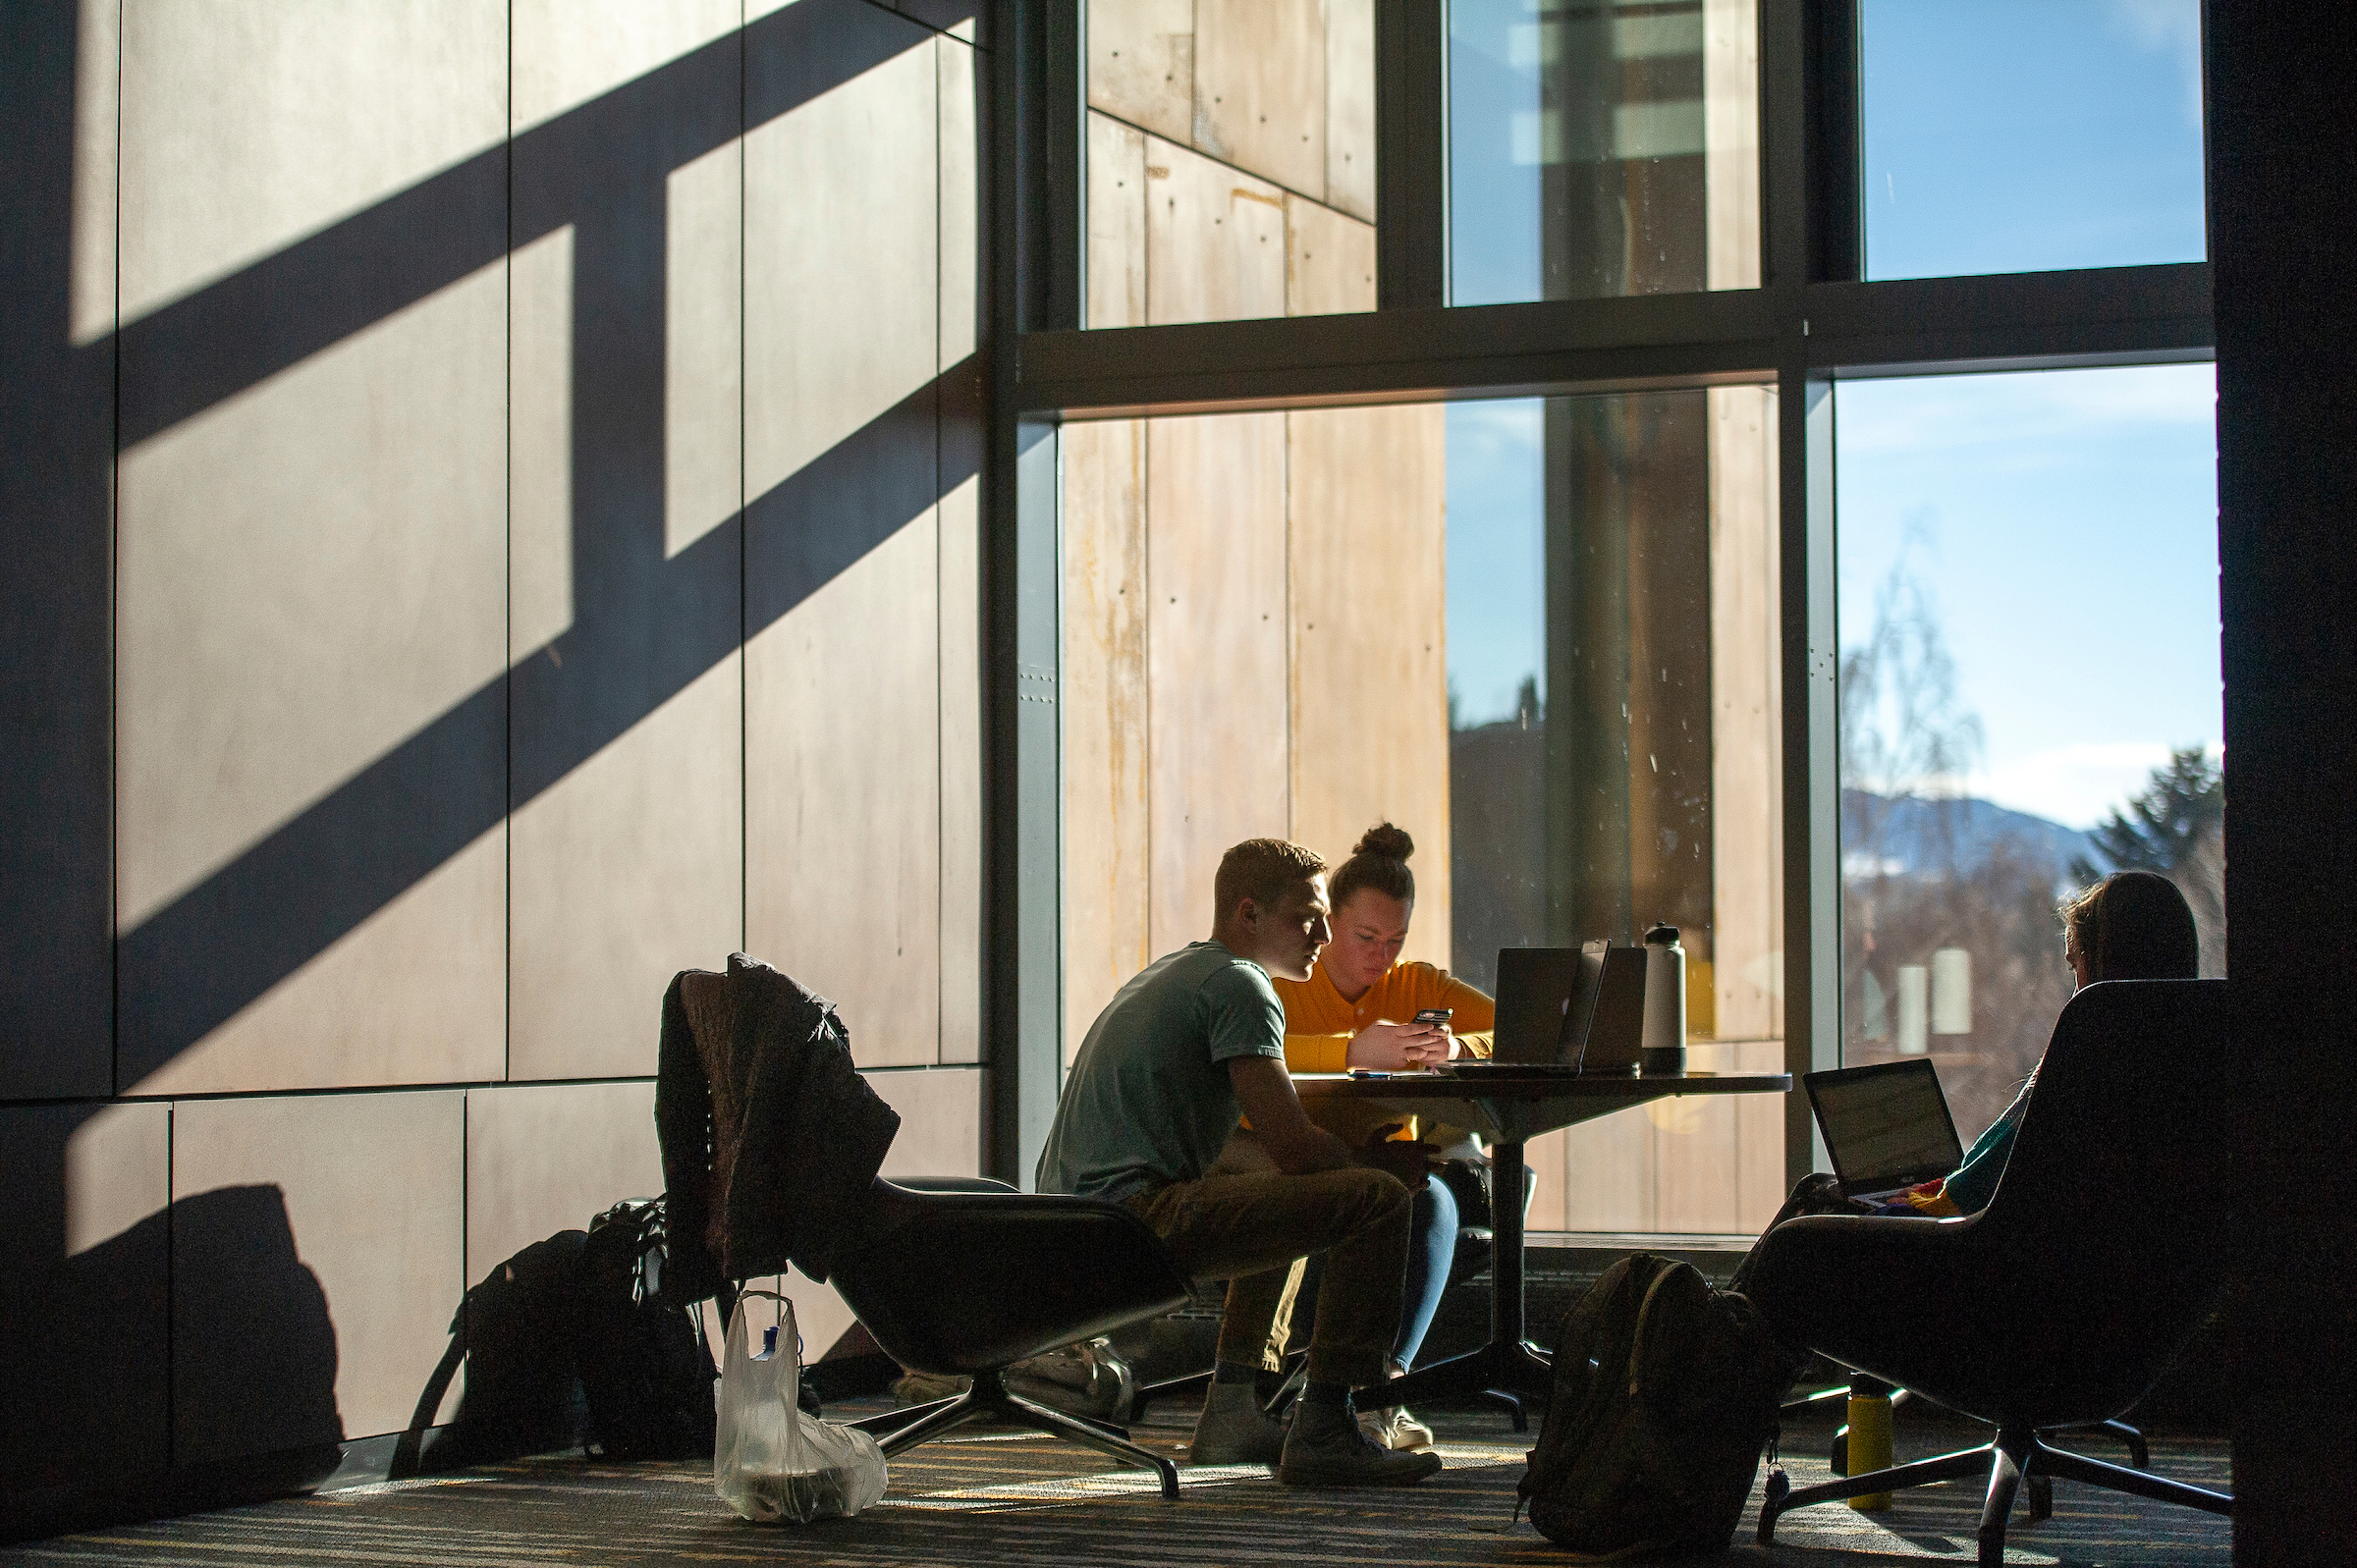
[1157, 1088]
[1363, 1008]
[2132, 925]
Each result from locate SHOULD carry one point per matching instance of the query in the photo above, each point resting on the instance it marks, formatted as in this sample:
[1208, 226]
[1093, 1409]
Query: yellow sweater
[1319, 1024]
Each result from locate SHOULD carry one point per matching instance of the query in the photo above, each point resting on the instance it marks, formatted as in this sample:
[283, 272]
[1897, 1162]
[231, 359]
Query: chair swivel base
[2017, 1455]
[989, 1400]
[1500, 1369]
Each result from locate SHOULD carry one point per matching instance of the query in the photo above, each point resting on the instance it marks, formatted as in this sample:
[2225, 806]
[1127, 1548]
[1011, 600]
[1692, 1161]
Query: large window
[2029, 694]
[1764, 614]
[1614, 749]
[2015, 136]
[1600, 147]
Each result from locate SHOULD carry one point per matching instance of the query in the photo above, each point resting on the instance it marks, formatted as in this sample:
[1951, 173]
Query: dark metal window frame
[1811, 323]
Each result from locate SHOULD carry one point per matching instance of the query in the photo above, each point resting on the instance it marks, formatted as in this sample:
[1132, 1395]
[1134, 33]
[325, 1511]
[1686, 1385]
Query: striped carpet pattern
[993, 1497]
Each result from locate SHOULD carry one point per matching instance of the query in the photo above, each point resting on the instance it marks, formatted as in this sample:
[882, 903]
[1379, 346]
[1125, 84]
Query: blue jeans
[1431, 1247]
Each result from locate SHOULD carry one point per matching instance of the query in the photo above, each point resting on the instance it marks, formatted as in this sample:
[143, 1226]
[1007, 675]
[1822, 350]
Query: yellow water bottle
[1869, 1437]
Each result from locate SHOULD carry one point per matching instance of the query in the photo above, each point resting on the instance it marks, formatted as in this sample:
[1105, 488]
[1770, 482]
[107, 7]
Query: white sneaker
[1395, 1428]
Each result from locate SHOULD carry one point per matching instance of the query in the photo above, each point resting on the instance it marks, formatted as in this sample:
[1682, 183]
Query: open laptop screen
[1887, 1126]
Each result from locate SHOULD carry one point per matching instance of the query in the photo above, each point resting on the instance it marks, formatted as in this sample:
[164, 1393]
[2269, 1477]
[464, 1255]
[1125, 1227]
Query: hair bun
[1387, 840]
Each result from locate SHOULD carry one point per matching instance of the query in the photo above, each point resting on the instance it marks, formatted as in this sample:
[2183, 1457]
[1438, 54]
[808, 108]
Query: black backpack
[644, 1363]
[1665, 1392]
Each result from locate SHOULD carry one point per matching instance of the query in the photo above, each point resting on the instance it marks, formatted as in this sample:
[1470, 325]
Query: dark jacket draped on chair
[770, 1138]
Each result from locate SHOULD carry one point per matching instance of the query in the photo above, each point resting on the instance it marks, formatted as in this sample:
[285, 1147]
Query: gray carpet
[992, 1498]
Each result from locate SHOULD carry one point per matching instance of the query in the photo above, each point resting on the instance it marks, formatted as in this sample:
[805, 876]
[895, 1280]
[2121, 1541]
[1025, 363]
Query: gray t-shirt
[1147, 1102]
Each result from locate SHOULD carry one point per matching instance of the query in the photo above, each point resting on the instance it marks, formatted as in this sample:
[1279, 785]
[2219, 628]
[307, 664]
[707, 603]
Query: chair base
[989, 1400]
[2017, 1455]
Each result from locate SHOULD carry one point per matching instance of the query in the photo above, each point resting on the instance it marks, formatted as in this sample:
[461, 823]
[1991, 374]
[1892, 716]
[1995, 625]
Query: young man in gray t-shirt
[1193, 1042]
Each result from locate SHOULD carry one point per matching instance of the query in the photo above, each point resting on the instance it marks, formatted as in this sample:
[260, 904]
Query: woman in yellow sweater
[1357, 1010]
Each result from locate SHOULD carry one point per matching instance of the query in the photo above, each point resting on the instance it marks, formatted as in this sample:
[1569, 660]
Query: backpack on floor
[644, 1363]
[1665, 1392]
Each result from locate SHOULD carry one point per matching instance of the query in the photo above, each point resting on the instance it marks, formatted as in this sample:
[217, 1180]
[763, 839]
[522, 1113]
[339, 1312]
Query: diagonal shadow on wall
[645, 626]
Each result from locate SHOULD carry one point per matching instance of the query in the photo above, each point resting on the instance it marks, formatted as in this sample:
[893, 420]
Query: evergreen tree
[2164, 823]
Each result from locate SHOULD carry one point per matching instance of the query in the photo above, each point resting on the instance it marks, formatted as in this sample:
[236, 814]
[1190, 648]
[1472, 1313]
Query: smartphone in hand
[1435, 1016]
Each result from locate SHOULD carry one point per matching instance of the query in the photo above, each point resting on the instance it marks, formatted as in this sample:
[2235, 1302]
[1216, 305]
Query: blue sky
[2066, 523]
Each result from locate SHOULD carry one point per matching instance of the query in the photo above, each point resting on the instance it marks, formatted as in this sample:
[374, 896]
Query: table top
[1516, 1106]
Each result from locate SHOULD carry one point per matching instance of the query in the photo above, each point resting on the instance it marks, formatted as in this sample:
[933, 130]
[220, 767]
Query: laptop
[1887, 1126]
[1567, 1010]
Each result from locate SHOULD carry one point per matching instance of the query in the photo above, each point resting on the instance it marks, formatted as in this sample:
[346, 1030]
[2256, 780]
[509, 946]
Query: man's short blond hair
[1262, 870]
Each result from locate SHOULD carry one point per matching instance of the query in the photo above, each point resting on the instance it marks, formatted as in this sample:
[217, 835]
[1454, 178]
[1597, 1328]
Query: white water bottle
[1665, 1002]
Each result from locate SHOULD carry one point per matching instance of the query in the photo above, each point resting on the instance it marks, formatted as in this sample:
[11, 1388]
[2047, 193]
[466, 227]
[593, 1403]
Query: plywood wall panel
[1747, 718]
[1215, 655]
[958, 66]
[1544, 1155]
[962, 825]
[1117, 224]
[940, 1112]
[1368, 547]
[1141, 62]
[843, 786]
[312, 582]
[1215, 239]
[1330, 261]
[1351, 107]
[318, 1254]
[841, 251]
[249, 125]
[545, 1158]
[1260, 87]
[567, 52]
[1102, 705]
[85, 1386]
[626, 790]
[625, 871]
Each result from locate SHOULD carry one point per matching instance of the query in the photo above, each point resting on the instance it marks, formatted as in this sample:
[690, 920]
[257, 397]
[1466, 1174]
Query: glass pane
[1300, 623]
[1613, 756]
[2019, 136]
[2029, 633]
[1231, 159]
[1600, 147]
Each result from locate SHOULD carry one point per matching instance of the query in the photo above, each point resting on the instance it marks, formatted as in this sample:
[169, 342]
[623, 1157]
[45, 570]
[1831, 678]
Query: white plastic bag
[772, 1462]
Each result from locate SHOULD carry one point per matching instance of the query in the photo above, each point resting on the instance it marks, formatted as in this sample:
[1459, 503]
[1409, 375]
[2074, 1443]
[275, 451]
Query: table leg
[1509, 1362]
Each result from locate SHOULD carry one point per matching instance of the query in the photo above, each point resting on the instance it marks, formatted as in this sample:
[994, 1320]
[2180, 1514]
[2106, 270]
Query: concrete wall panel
[1330, 261]
[1215, 239]
[1215, 655]
[1368, 552]
[318, 1255]
[1103, 710]
[1141, 62]
[1117, 224]
[1260, 87]
[1351, 107]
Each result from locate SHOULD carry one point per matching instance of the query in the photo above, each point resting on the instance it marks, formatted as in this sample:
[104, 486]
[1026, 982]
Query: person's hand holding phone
[1387, 1046]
